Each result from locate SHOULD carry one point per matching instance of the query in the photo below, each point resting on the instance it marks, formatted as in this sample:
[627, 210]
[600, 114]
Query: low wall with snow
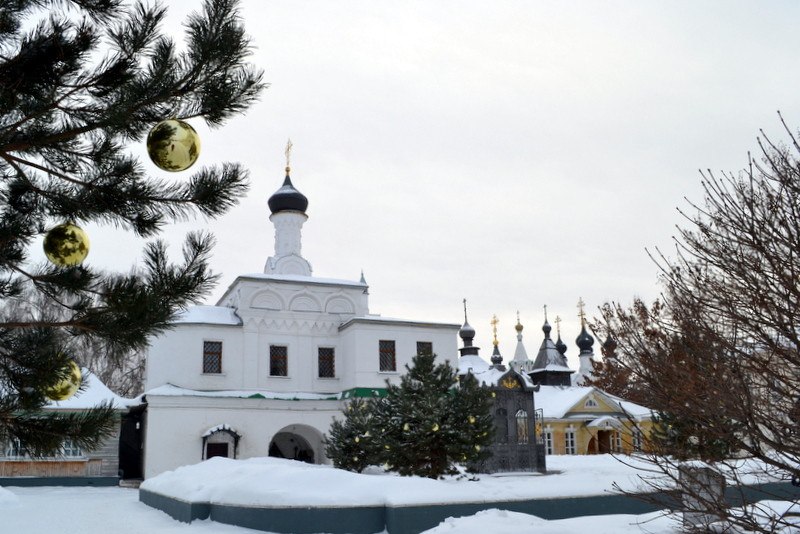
[371, 519]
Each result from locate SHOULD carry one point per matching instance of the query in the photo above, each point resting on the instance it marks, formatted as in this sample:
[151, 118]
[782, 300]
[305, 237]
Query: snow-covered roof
[472, 363]
[491, 377]
[556, 401]
[549, 359]
[220, 428]
[170, 390]
[604, 421]
[209, 315]
[95, 393]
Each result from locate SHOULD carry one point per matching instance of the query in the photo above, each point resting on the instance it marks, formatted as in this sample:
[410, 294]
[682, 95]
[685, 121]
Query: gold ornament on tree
[67, 387]
[173, 145]
[66, 245]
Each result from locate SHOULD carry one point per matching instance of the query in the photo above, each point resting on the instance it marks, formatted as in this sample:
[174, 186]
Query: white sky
[515, 153]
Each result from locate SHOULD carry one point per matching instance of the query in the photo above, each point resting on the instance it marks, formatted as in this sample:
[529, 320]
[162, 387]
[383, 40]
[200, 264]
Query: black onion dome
[287, 198]
[584, 340]
[546, 328]
[561, 347]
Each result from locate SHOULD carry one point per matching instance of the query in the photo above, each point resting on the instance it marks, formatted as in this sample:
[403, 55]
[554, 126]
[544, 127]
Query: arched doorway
[297, 442]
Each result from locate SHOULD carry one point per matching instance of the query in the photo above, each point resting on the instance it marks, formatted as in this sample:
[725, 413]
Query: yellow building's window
[569, 442]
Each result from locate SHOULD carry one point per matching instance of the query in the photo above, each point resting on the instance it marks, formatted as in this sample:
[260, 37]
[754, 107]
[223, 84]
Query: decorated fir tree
[424, 426]
[350, 443]
[430, 422]
[79, 82]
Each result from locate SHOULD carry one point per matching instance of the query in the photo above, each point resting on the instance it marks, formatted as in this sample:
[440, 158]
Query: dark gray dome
[561, 347]
[287, 198]
[584, 340]
[466, 332]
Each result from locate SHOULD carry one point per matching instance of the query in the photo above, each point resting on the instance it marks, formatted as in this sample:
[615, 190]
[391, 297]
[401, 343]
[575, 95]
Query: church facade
[265, 371]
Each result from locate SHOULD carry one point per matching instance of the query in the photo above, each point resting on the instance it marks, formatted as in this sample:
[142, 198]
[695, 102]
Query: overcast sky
[513, 153]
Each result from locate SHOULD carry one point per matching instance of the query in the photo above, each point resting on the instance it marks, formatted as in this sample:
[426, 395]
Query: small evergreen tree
[79, 81]
[423, 426]
[350, 443]
[430, 422]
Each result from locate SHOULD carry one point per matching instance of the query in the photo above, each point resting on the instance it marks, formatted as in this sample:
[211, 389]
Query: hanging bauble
[435, 427]
[406, 427]
[173, 145]
[357, 439]
[66, 245]
[471, 419]
[477, 448]
[66, 387]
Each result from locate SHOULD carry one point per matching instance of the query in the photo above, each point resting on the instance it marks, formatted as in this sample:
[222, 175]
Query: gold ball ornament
[435, 427]
[357, 439]
[477, 448]
[406, 427]
[66, 245]
[471, 419]
[173, 145]
[67, 387]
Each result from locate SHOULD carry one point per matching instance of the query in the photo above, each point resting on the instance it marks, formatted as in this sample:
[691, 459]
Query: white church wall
[176, 357]
[362, 356]
[256, 420]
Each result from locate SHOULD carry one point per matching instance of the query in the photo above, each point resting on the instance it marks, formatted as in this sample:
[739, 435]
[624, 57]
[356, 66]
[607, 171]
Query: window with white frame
[569, 442]
[617, 443]
[548, 441]
[70, 449]
[636, 438]
[590, 403]
[14, 449]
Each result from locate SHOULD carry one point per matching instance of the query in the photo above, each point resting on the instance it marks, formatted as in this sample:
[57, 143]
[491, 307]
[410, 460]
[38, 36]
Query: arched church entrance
[297, 442]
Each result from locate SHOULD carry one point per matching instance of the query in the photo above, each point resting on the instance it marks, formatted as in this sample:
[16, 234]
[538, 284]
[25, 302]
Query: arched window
[501, 419]
[522, 427]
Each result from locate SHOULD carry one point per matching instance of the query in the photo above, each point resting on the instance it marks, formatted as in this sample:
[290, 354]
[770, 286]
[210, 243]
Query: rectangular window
[14, 449]
[617, 441]
[548, 442]
[212, 357]
[637, 439]
[387, 355]
[424, 347]
[278, 360]
[326, 362]
[569, 442]
[70, 449]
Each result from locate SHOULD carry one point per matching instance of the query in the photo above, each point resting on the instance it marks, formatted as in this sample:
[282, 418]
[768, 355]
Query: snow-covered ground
[118, 510]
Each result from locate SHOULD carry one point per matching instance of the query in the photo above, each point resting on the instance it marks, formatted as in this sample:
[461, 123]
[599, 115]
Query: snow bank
[505, 522]
[278, 483]
[6, 497]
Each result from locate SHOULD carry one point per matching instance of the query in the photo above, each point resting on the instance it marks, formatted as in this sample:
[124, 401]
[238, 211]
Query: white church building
[265, 371]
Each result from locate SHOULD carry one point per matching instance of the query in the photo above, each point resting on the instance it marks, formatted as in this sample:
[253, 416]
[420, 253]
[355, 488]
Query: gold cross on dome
[558, 324]
[288, 154]
[494, 322]
[581, 313]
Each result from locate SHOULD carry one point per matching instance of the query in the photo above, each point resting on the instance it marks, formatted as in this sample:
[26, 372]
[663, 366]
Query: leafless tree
[122, 370]
[717, 356]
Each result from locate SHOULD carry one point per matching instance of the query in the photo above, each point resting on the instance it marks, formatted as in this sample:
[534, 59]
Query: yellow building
[578, 418]
[585, 420]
